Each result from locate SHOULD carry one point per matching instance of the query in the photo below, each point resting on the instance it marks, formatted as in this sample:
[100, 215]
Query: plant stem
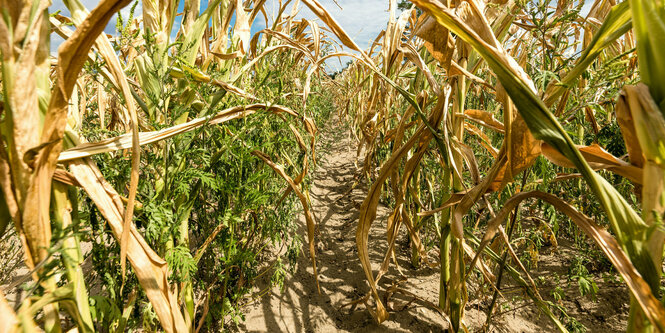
[513, 219]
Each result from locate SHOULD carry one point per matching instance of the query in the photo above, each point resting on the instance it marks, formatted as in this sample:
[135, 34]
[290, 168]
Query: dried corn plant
[447, 82]
[151, 131]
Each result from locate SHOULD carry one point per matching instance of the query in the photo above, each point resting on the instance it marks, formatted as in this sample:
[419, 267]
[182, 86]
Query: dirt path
[299, 308]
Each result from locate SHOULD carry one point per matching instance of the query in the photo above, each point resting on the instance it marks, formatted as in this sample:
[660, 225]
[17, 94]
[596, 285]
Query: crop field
[198, 166]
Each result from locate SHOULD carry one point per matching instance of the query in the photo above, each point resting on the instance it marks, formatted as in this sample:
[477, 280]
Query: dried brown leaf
[597, 158]
[151, 270]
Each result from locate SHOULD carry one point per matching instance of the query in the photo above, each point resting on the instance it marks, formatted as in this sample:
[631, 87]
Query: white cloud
[586, 8]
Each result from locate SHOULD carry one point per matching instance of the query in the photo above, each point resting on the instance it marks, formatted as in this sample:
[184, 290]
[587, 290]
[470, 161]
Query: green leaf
[649, 30]
[5, 217]
[616, 24]
[194, 37]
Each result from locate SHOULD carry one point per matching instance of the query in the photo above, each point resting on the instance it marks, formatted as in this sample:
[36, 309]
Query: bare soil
[335, 200]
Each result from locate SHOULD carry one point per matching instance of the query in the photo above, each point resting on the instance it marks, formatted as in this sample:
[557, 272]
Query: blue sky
[362, 19]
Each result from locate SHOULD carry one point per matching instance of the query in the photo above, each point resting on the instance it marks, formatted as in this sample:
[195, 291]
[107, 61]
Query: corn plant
[144, 146]
[453, 52]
